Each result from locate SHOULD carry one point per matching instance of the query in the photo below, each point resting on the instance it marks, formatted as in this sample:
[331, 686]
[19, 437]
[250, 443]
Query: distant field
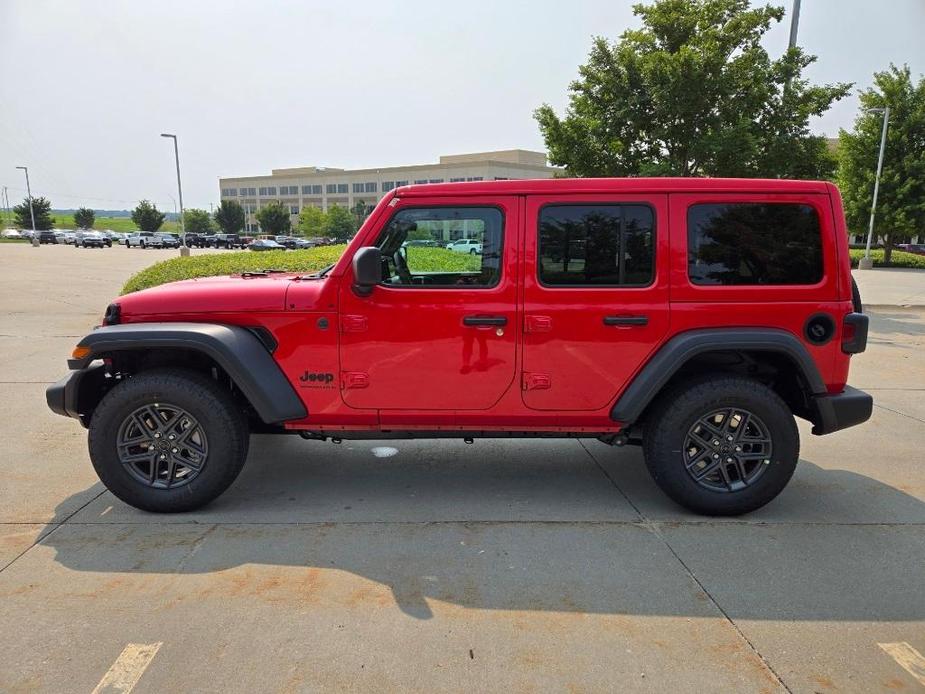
[124, 224]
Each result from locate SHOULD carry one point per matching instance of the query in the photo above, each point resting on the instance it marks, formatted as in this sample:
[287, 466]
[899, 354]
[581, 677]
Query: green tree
[41, 208]
[901, 201]
[197, 222]
[339, 223]
[692, 93]
[361, 211]
[274, 218]
[311, 221]
[84, 218]
[230, 216]
[147, 217]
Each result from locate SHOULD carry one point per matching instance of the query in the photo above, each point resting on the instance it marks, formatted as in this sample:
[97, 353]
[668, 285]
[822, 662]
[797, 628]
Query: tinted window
[422, 247]
[753, 243]
[606, 245]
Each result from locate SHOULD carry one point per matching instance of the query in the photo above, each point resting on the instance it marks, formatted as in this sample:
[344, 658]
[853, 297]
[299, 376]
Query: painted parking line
[908, 659]
[131, 664]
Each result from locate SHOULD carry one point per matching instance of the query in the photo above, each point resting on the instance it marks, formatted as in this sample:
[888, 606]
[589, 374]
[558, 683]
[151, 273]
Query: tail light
[854, 333]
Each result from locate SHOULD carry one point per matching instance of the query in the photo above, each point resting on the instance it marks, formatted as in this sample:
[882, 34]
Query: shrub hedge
[899, 258]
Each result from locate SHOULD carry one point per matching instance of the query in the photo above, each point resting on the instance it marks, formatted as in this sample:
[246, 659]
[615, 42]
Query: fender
[681, 348]
[240, 352]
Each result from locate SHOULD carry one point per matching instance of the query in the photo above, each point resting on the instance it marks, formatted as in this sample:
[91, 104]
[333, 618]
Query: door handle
[475, 321]
[626, 320]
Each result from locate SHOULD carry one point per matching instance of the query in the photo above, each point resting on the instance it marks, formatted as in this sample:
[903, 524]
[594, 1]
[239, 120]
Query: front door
[439, 332]
[595, 298]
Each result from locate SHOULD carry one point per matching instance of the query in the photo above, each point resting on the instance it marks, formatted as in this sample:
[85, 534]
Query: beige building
[323, 186]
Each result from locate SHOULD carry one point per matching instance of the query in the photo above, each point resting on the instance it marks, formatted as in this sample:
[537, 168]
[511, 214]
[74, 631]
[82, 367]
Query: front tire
[168, 440]
[721, 445]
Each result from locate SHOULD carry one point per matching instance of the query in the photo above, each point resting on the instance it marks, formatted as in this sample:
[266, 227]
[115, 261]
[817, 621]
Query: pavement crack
[901, 414]
[654, 527]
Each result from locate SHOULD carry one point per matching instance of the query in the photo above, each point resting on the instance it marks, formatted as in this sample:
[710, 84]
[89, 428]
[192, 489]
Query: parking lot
[440, 566]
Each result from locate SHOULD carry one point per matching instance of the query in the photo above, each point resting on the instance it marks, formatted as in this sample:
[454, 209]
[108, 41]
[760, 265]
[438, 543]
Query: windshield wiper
[318, 275]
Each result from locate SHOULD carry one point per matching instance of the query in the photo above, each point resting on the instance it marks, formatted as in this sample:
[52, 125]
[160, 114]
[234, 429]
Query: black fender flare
[240, 352]
[680, 349]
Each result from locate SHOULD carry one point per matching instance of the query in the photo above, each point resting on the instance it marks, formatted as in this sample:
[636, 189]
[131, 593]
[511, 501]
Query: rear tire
[135, 457]
[694, 440]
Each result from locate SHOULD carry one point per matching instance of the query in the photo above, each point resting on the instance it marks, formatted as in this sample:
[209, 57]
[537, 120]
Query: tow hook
[468, 439]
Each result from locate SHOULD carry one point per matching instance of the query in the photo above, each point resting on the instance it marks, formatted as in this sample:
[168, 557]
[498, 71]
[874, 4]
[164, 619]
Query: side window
[443, 247]
[596, 245]
[753, 244]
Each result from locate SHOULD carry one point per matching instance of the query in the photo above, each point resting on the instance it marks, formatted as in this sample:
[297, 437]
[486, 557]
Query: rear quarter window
[745, 243]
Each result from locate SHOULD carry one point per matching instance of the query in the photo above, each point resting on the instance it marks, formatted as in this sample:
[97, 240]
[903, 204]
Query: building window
[316, 189]
[357, 187]
[457, 180]
[289, 190]
[229, 192]
[501, 178]
[436, 180]
[370, 187]
[331, 188]
[399, 184]
[474, 178]
[263, 191]
[243, 192]
[753, 243]
[271, 190]
[420, 181]
[249, 191]
[342, 188]
[387, 186]
[596, 245]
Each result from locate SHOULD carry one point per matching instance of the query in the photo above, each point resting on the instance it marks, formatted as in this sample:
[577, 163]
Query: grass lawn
[121, 224]
[308, 260]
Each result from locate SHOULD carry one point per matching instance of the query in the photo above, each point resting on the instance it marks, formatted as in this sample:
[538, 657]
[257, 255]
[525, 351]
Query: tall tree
[197, 221]
[147, 217]
[361, 211]
[692, 93]
[84, 218]
[274, 218]
[339, 223]
[901, 201]
[230, 216]
[41, 208]
[311, 221]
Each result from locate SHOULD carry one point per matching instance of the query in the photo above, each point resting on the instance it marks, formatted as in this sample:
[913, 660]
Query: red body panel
[402, 359]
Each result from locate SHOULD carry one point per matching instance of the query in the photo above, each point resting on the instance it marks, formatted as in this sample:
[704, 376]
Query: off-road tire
[676, 411]
[221, 419]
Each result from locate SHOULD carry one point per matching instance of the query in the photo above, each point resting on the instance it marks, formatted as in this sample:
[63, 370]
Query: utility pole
[184, 249]
[866, 263]
[794, 23]
[35, 238]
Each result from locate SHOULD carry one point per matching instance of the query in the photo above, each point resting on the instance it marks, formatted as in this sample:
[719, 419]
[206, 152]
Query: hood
[233, 293]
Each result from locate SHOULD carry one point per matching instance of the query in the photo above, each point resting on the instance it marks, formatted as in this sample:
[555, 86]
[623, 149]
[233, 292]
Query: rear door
[595, 295]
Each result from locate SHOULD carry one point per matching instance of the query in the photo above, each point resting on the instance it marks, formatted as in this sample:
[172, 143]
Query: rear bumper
[77, 394]
[842, 410]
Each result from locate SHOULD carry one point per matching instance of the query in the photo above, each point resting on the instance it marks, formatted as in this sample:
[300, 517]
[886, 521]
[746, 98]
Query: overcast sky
[88, 85]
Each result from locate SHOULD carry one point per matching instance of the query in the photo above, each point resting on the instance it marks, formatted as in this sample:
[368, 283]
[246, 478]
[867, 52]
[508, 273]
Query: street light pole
[794, 23]
[184, 249]
[35, 239]
[866, 263]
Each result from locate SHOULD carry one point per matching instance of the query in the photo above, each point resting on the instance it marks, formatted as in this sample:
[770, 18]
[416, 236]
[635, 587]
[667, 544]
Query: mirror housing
[367, 270]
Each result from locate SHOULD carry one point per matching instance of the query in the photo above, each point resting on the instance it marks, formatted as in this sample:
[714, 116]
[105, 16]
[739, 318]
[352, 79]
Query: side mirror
[367, 270]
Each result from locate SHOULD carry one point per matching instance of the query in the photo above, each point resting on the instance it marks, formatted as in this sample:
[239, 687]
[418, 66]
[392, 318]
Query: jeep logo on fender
[309, 379]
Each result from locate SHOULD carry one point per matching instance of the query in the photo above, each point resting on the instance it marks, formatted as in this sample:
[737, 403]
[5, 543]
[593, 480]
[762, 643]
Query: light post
[866, 263]
[35, 239]
[794, 23]
[184, 249]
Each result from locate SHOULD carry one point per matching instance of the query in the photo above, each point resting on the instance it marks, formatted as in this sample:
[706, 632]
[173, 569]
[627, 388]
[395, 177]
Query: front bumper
[77, 394]
[842, 410]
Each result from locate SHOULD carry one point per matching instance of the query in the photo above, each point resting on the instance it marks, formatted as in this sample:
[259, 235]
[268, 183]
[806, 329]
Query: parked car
[168, 240]
[12, 234]
[699, 336]
[91, 239]
[471, 246]
[47, 236]
[196, 240]
[144, 239]
[265, 245]
[422, 243]
[917, 248]
[227, 241]
[69, 236]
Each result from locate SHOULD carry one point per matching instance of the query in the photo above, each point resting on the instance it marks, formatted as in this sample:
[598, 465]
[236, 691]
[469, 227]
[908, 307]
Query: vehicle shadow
[561, 557]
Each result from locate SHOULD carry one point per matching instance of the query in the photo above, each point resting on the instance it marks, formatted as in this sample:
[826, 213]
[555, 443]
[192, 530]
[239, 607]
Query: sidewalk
[891, 286]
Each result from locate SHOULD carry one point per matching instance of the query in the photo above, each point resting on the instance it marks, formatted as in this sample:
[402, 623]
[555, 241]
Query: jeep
[693, 317]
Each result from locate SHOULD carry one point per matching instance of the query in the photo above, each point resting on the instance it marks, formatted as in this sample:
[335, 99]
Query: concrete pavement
[436, 566]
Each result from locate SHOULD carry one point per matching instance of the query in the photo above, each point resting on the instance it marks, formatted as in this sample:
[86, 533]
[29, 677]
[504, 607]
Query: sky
[87, 86]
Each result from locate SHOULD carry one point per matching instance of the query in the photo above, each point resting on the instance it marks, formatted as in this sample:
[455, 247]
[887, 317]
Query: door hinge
[354, 379]
[537, 324]
[353, 324]
[535, 381]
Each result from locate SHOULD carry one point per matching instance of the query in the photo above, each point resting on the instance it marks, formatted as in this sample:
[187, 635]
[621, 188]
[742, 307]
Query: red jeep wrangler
[692, 316]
